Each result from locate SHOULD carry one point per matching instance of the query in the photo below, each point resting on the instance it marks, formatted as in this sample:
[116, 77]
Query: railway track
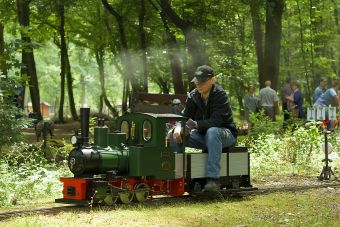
[291, 188]
[48, 210]
[222, 195]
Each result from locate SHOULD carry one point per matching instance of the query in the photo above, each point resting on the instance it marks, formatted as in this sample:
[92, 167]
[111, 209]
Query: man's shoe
[213, 185]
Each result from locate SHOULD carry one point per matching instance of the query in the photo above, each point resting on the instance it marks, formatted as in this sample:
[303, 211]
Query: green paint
[115, 139]
[100, 136]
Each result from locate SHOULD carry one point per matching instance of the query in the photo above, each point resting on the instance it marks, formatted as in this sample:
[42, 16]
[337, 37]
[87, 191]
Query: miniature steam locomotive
[137, 162]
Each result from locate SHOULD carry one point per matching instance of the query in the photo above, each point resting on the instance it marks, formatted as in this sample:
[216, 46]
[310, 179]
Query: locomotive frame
[137, 162]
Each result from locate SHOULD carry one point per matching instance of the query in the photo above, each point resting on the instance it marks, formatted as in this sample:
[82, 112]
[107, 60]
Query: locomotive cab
[148, 129]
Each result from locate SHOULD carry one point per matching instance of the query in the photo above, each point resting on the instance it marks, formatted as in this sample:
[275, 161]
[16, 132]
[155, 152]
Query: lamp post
[326, 114]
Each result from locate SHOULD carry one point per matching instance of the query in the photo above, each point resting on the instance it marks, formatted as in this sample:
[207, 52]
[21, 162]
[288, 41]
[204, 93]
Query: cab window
[124, 128]
[147, 130]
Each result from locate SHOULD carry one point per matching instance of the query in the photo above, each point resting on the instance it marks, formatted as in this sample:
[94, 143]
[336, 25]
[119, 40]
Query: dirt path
[61, 131]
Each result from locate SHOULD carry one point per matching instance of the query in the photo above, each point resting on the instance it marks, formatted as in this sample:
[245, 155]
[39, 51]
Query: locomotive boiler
[137, 162]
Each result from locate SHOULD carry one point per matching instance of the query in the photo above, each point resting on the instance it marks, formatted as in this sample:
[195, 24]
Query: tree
[65, 66]
[63, 53]
[28, 64]
[258, 37]
[103, 97]
[143, 44]
[3, 67]
[274, 11]
[126, 58]
[194, 43]
[173, 51]
[7, 14]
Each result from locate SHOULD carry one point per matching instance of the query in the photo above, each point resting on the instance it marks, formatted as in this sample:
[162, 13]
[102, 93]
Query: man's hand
[177, 134]
[191, 124]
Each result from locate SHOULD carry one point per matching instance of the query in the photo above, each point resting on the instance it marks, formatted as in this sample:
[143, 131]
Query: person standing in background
[320, 89]
[250, 104]
[269, 101]
[177, 107]
[286, 90]
[296, 100]
[330, 96]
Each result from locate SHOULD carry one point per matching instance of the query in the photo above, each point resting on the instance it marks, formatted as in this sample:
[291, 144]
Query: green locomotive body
[137, 162]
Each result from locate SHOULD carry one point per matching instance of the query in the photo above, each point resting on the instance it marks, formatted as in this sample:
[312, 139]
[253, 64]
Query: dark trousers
[270, 112]
[286, 115]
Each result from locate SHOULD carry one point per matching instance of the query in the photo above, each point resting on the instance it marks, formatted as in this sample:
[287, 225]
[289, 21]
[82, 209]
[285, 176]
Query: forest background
[103, 53]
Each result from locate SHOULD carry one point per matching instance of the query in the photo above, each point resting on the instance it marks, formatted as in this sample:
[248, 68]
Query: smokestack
[84, 124]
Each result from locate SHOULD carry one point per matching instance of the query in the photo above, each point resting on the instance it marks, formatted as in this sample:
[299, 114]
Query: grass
[318, 207]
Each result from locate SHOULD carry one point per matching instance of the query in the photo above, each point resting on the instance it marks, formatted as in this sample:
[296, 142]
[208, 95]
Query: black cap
[202, 74]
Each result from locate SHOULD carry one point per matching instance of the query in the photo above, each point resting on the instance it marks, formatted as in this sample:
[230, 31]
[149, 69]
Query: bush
[29, 181]
[297, 151]
[262, 124]
[27, 175]
[11, 117]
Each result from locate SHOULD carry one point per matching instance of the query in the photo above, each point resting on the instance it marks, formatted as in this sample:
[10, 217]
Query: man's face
[323, 83]
[294, 87]
[251, 90]
[204, 88]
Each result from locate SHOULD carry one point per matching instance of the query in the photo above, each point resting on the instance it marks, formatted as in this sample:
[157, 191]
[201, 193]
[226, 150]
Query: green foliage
[28, 182]
[262, 124]
[309, 43]
[21, 153]
[297, 151]
[27, 174]
[11, 117]
[56, 150]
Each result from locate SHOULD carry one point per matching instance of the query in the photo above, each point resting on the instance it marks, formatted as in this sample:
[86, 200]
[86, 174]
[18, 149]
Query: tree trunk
[274, 10]
[82, 96]
[103, 96]
[3, 66]
[126, 94]
[28, 63]
[175, 62]
[60, 12]
[336, 15]
[143, 45]
[163, 84]
[239, 88]
[65, 66]
[305, 64]
[311, 43]
[258, 37]
[100, 64]
[126, 88]
[194, 43]
[101, 104]
[69, 80]
[126, 58]
[336, 20]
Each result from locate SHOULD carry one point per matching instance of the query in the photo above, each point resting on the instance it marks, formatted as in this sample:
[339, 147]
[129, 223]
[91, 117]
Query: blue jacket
[217, 112]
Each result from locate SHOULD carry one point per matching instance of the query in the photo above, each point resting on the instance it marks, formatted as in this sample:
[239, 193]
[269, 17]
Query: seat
[232, 149]
[235, 149]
